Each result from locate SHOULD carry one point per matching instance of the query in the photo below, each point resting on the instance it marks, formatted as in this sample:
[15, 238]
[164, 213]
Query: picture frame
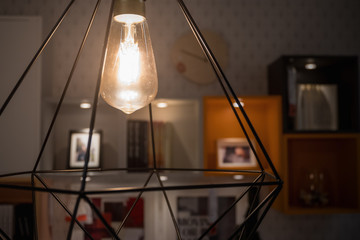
[78, 140]
[235, 153]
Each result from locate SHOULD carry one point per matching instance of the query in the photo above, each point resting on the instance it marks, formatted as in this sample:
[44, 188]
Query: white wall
[111, 123]
[256, 31]
[182, 115]
[185, 135]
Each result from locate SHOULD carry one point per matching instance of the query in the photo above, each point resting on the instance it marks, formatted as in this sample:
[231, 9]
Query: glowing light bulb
[129, 78]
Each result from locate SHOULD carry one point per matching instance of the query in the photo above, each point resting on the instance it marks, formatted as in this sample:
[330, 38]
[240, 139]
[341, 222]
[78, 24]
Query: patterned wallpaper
[257, 32]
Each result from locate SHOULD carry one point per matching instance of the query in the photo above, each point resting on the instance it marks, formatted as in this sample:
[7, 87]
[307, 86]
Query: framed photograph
[77, 149]
[235, 153]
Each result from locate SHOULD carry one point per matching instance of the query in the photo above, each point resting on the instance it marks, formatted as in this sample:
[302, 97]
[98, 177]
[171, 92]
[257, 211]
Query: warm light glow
[128, 70]
[238, 177]
[129, 79]
[241, 102]
[129, 18]
[161, 104]
[128, 96]
[85, 105]
[163, 178]
[310, 66]
[87, 179]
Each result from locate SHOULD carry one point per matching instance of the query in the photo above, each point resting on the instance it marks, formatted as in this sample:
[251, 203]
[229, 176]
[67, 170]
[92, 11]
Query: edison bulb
[129, 78]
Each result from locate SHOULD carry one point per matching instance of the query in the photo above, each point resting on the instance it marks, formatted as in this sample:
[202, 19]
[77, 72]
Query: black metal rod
[169, 207]
[228, 210]
[74, 215]
[152, 137]
[261, 205]
[218, 71]
[221, 77]
[265, 211]
[252, 206]
[98, 170]
[55, 171]
[267, 157]
[14, 174]
[133, 189]
[92, 123]
[133, 205]
[38, 53]
[62, 204]
[102, 219]
[29, 188]
[3, 234]
[33, 197]
[62, 96]
[173, 188]
[180, 169]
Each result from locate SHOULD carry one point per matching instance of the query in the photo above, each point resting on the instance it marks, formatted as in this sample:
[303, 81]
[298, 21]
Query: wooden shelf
[14, 196]
[288, 74]
[333, 157]
[18, 197]
[220, 122]
[328, 163]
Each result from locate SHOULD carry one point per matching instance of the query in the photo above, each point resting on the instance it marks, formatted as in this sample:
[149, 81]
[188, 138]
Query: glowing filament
[129, 66]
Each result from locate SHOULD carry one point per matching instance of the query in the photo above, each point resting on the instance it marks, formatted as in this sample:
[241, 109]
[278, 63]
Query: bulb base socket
[129, 7]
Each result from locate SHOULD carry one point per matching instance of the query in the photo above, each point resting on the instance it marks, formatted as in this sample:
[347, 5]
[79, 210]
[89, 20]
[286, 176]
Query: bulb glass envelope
[129, 78]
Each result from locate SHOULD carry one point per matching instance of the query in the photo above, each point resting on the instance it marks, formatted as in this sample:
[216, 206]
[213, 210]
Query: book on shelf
[139, 144]
[6, 220]
[16, 221]
[24, 217]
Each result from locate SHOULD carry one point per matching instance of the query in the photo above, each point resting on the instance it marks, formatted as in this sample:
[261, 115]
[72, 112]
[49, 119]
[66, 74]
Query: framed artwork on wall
[77, 148]
[234, 153]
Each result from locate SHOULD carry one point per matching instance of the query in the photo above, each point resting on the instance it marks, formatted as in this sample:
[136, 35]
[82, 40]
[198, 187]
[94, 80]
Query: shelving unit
[24, 198]
[320, 163]
[337, 76]
[14, 196]
[17, 215]
[324, 167]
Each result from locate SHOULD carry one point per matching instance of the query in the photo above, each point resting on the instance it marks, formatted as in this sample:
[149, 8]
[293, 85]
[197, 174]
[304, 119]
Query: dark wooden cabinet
[320, 144]
[321, 173]
[320, 93]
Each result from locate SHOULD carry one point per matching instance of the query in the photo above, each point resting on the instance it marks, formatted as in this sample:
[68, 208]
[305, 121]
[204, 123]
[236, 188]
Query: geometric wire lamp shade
[260, 185]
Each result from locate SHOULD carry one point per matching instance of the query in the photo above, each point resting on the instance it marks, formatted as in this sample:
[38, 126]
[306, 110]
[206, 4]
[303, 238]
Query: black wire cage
[261, 186]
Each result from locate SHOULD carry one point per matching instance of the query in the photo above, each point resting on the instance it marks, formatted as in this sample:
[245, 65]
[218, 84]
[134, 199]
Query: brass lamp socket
[129, 7]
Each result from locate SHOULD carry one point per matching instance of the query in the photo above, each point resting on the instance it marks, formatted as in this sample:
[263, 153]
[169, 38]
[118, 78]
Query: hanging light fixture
[129, 79]
[129, 82]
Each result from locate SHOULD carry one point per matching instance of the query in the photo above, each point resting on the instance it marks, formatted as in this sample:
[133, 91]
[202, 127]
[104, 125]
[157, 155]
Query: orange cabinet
[220, 122]
[320, 170]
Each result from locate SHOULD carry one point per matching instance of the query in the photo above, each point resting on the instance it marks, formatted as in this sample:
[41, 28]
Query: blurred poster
[195, 215]
[114, 211]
